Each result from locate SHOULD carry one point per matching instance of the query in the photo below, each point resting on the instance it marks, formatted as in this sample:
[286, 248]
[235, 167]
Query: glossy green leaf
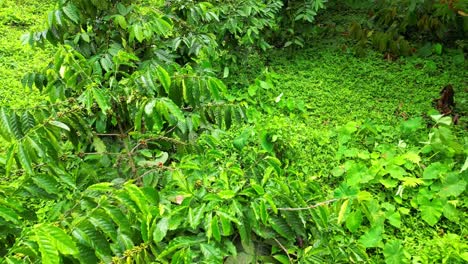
[101, 99]
[72, 12]
[59, 125]
[164, 78]
[343, 208]
[434, 171]
[373, 237]
[354, 221]
[195, 216]
[161, 229]
[215, 228]
[394, 252]
[25, 158]
[431, 211]
[9, 214]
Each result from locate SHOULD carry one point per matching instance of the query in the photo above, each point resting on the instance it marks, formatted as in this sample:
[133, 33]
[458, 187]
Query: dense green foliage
[396, 25]
[165, 137]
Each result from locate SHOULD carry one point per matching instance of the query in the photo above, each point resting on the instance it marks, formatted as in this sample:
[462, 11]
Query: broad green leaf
[412, 125]
[241, 141]
[373, 237]
[164, 78]
[162, 27]
[51, 241]
[88, 235]
[137, 31]
[161, 229]
[173, 109]
[49, 253]
[262, 210]
[99, 145]
[354, 220]
[296, 222]
[72, 12]
[389, 183]
[46, 182]
[283, 259]
[396, 172]
[213, 87]
[434, 171]
[441, 119]
[5, 127]
[225, 225]
[281, 227]
[338, 171]
[61, 240]
[266, 141]
[137, 195]
[25, 158]
[394, 252]
[106, 63]
[211, 252]
[215, 228]
[395, 219]
[226, 194]
[10, 158]
[119, 218]
[364, 196]
[180, 242]
[342, 212]
[101, 221]
[102, 187]
[121, 21]
[101, 99]
[85, 37]
[453, 185]
[195, 216]
[431, 212]
[413, 157]
[252, 90]
[9, 215]
[258, 189]
[451, 212]
[59, 125]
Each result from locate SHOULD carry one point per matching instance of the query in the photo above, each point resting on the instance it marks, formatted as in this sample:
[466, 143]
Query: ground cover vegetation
[233, 131]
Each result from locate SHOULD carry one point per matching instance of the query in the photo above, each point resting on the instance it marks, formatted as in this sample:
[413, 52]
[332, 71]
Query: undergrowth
[16, 59]
[337, 158]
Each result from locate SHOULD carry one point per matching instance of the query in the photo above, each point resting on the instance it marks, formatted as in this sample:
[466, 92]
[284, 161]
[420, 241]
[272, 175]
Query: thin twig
[284, 249]
[310, 207]
[101, 153]
[109, 135]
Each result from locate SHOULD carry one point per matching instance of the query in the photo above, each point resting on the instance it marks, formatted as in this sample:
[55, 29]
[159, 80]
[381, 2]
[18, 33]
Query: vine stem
[310, 207]
[284, 249]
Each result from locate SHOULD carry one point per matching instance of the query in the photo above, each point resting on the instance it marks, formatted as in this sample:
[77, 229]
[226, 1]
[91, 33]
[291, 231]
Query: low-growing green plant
[429, 179]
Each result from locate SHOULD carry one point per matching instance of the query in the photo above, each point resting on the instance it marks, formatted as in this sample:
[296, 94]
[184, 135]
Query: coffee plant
[141, 153]
[395, 26]
[131, 87]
